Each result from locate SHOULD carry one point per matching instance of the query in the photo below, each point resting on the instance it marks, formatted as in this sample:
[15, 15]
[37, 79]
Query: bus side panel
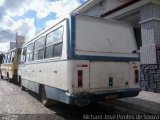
[31, 85]
[55, 74]
[48, 73]
[30, 73]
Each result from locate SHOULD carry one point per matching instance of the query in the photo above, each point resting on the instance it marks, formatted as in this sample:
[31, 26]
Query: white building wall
[150, 29]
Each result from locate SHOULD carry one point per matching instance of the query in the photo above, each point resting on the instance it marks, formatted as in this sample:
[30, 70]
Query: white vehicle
[81, 60]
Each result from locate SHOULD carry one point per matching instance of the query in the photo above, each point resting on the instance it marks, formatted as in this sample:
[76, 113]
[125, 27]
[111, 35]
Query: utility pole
[16, 39]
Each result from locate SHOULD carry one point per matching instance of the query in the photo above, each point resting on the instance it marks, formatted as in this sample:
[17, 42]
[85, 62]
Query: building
[18, 43]
[144, 15]
[11, 45]
[20, 40]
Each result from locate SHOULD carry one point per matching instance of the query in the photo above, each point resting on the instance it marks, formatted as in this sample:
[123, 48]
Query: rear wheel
[46, 101]
[1, 76]
[8, 79]
[23, 88]
[19, 80]
[14, 79]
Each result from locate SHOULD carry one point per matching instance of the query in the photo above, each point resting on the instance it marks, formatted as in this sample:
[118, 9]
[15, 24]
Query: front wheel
[46, 101]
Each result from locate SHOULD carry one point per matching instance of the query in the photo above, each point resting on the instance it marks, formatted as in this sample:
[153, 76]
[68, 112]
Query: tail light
[80, 78]
[136, 78]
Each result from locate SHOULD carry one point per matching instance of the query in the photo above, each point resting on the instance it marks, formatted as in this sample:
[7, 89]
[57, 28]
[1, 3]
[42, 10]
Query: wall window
[29, 53]
[39, 49]
[54, 43]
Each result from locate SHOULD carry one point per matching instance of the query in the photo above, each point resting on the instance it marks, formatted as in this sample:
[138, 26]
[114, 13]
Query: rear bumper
[82, 99]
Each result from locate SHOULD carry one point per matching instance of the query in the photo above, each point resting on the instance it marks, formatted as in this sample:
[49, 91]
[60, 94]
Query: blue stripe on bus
[71, 47]
[72, 31]
[68, 37]
[106, 58]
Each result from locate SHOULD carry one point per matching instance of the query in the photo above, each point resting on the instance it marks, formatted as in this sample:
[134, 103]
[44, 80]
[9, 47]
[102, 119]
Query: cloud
[1, 2]
[25, 26]
[2, 12]
[6, 36]
[4, 47]
[61, 7]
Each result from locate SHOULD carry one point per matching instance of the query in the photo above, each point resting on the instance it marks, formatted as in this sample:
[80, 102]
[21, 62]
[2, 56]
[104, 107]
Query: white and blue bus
[81, 60]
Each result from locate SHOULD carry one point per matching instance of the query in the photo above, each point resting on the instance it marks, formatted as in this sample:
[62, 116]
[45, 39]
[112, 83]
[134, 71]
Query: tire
[8, 79]
[23, 88]
[14, 79]
[45, 101]
[18, 81]
[1, 76]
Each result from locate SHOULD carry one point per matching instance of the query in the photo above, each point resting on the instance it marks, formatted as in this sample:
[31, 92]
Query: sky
[28, 17]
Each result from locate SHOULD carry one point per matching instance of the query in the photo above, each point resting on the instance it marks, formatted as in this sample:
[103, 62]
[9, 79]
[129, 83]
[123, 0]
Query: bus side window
[29, 56]
[1, 58]
[6, 60]
[58, 50]
[54, 43]
[12, 56]
[23, 55]
[4, 56]
[9, 57]
[12, 59]
[39, 48]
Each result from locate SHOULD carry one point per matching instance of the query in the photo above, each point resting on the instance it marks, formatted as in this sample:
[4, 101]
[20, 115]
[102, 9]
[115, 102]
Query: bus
[9, 66]
[81, 60]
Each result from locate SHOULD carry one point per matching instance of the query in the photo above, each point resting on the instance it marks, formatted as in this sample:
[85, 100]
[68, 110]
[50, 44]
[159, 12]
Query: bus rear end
[105, 62]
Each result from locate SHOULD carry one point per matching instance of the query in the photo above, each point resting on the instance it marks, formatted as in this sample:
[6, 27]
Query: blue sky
[29, 17]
